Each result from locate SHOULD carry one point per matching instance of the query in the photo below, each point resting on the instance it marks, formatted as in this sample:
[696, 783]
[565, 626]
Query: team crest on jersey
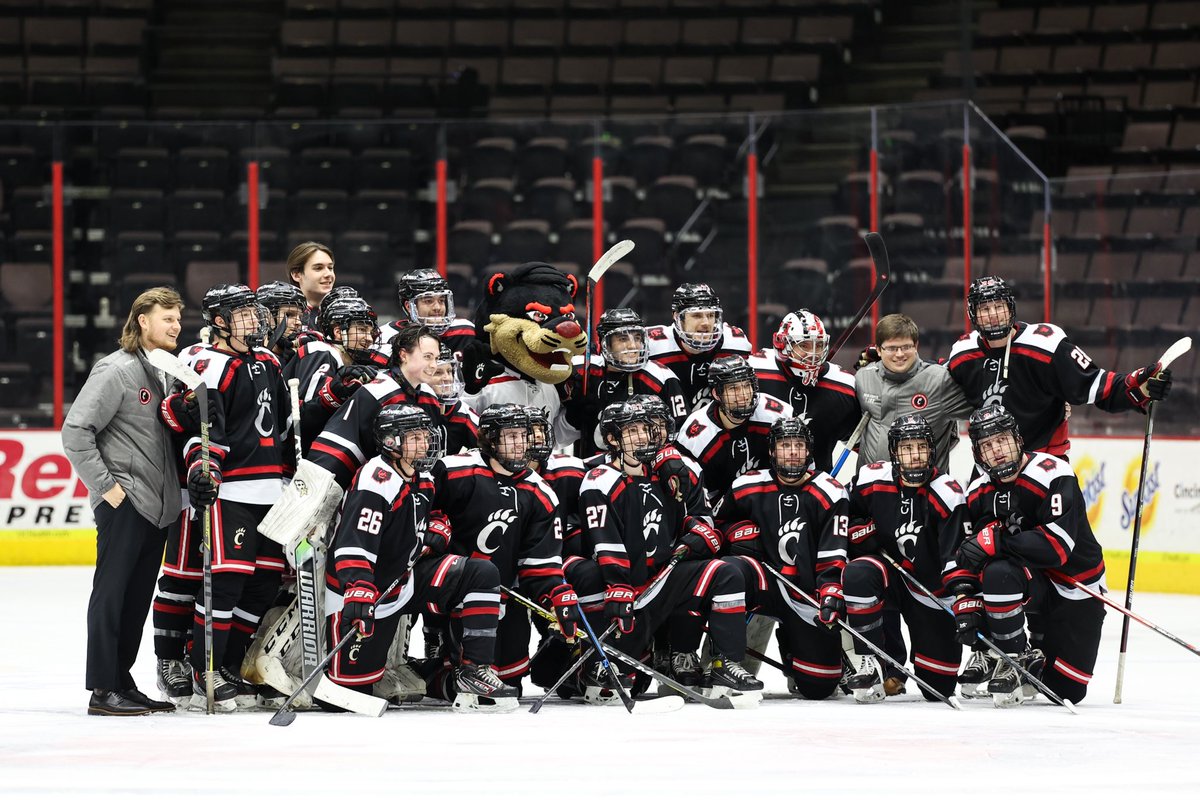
[200, 366]
[650, 525]
[694, 430]
[496, 527]
[596, 472]
[771, 404]
[656, 333]
[789, 539]
[144, 396]
[380, 475]
[906, 538]
[920, 402]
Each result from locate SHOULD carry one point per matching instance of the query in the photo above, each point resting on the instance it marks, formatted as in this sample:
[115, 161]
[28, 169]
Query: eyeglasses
[898, 348]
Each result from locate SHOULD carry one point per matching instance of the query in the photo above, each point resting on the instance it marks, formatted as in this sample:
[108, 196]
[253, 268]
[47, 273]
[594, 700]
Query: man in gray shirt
[123, 455]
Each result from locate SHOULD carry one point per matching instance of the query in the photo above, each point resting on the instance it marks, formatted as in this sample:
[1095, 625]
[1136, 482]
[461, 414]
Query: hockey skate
[224, 694]
[1010, 688]
[730, 679]
[596, 686]
[973, 680]
[174, 681]
[479, 689]
[866, 684]
[247, 693]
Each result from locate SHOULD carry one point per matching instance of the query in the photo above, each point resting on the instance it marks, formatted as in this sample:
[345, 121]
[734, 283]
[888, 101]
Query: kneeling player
[385, 524]
[792, 517]
[916, 515]
[1032, 538]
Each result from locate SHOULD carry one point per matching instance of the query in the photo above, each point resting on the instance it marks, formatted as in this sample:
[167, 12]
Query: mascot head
[528, 320]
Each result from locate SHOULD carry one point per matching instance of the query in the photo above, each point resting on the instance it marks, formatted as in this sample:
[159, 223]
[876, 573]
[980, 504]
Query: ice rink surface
[789, 748]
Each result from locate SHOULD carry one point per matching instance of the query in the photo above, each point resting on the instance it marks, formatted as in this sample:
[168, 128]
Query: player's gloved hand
[863, 541]
[702, 540]
[1146, 384]
[833, 604]
[869, 355]
[673, 473]
[358, 609]
[356, 374]
[968, 619]
[980, 548]
[744, 540]
[566, 609]
[437, 533]
[618, 605]
[181, 411]
[201, 487]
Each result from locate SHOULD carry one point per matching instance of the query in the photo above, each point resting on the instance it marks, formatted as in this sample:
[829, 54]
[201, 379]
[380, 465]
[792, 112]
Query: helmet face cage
[541, 443]
[659, 414]
[986, 423]
[619, 360]
[392, 428]
[697, 298]
[726, 374]
[426, 284]
[242, 316]
[909, 428]
[616, 421]
[987, 289]
[494, 423]
[786, 429]
[286, 303]
[447, 380]
[344, 314]
[798, 329]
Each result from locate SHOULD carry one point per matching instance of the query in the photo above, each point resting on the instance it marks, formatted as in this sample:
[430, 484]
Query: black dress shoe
[137, 696]
[116, 704]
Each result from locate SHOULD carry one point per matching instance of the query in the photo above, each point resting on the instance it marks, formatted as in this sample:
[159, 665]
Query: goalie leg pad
[307, 503]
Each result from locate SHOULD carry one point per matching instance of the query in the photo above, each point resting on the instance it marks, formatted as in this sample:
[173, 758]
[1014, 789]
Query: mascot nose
[568, 329]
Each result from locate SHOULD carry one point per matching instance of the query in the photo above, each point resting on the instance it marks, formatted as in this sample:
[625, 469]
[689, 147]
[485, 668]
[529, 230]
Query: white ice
[790, 748]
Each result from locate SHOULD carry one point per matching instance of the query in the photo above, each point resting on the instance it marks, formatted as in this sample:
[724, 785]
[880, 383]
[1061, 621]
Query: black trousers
[129, 552]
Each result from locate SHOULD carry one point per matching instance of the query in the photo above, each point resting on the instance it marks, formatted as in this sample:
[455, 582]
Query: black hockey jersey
[564, 474]
[613, 387]
[723, 454]
[829, 407]
[921, 525]
[692, 368]
[379, 533]
[509, 520]
[315, 365]
[460, 429]
[459, 337]
[1047, 523]
[1045, 371]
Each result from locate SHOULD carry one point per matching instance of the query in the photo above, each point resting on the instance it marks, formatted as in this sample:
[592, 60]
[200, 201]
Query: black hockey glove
[869, 355]
[1146, 384]
[437, 533]
[202, 488]
[358, 609]
[968, 619]
[181, 412]
[356, 374]
[980, 548]
[833, 604]
[566, 610]
[618, 605]
[863, 541]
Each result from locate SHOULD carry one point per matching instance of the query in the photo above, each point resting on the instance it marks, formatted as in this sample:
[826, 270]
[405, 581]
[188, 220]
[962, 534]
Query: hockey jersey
[1045, 371]
[692, 368]
[613, 387]
[564, 474]
[315, 365]
[1046, 517]
[919, 526]
[460, 429]
[829, 407]
[510, 386]
[722, 454]
[379, 534]
[459, 337]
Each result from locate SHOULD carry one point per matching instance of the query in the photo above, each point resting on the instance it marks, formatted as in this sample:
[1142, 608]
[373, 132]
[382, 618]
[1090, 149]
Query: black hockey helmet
[622, 320]
[615, 418]
[225, 298]
[541, 443]
[726, 371]
[335, 294]
[790, 428]
[986, 289]
[392, 425]
[906, 428]
[659, 413]
[493, 422]
[342, 314]
[987, 422]
[426, 283]
[696, 297]
[277, 294]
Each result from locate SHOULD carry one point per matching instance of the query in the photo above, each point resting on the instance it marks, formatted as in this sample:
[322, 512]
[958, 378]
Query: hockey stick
[950, 701]
[173, 366]
[1173, 352]
[853, 440]
[1129, 614]
[1036, 681]
[883, 275]
[610, 257]
[306, 565]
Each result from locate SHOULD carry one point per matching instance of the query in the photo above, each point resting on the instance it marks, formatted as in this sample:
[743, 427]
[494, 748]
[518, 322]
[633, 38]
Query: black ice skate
[866, 683]
[479, 689]
[175, 682]
[1010, 688]
[729, 677]
[973, 680]
[247, 693]
[224, 694]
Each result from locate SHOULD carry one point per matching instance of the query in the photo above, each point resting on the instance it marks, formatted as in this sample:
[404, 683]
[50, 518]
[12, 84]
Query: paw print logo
[906, 538]
[994, 395]
[651, 524]
[789, 540]
[496, 527]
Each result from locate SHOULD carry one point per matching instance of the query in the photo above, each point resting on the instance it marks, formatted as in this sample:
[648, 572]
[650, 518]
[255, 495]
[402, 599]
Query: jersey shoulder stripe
[1043, 469]
[876, 472]
[471, 458]
[828, 486]
[948, 490]
[755, 477]
[840, 377]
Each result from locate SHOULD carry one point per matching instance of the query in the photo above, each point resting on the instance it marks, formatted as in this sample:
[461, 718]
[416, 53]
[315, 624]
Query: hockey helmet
[909, 427]
[991, 421]
[512, 451]
[394, 422]
[617, 419]
[447, 380]
[790, 428]
[659, 413]
[697, 298]
[223, 300]
[723, 374]
[279, 297]
[987, 289]
[344, 313]
[802, 341]
[623, 321]
[426, 284]
[541, 443]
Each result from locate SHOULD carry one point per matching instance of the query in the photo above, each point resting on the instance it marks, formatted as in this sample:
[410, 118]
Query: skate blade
[974, 691]
[474, 704]
[658, 705]
[199, 705]
[736, 699]
[1008, 699]
[873, 694]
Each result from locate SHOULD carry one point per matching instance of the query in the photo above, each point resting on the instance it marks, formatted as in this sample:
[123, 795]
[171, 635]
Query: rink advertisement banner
[44, 512]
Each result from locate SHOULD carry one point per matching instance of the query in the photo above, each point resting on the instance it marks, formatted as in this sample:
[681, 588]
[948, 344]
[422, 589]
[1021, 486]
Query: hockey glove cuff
[833, 604]
[702, 539]
[437, 533]
[968, 619]
[743, 538]
[980, 548]
[358, 609]
[618, 605]
[566, 610]
[863, 541]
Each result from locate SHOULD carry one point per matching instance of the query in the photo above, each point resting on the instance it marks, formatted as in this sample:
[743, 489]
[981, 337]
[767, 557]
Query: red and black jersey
[510, 520]
[1047, 522]
[1045, 371]
[691, 369]
[801, 529]
[724, 454]
[460, 428]
[612, 386]
[379, 533]
[922, 525]
[248, 422]
[459, 337]
[315, 365]
[564, 474]
[828, 407]
[348, 439]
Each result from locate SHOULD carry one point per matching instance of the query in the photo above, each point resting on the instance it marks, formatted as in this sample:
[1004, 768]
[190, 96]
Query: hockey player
[287, 305]
[1034, 370]
[310, 269]
[696, 337]
[385, 523]
[623, 370]
[1031, 535]
[500, 511]
[461, 421]
[905, 508]
[728, 437]
[793, 517]
[635, 528]
[820, 393]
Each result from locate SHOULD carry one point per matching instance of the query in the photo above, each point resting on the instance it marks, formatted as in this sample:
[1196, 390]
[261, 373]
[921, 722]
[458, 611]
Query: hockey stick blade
[610, 257]
[366, 704]
[1173, 352]
[883, 276]
[170, 364]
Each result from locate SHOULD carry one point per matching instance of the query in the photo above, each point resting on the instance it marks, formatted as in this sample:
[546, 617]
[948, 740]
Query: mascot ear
[495, 284]
[574, 285]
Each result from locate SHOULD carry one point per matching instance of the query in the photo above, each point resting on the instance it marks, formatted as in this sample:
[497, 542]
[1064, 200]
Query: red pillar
[252, 212]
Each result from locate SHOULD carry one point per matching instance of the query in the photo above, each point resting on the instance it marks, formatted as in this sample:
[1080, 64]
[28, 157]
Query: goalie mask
[353, 324]
[628, 429]
[735, 387]
[791, 445]
[987, 318]
[241, 316]
[996, 442]
[912, 448]
[697, 315]
[404, 432]
[427, 299]
[505, 435]
[623, 340]
[802, 342]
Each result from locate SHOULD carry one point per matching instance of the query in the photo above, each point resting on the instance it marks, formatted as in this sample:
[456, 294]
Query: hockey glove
[980, 548]
[618, 605]
[968, 619]
[1146, 384]
[863, 541]
[833, 605]
[333, 392]
[673, 473]
[744, 540]
[180, 411]
[202, 489]
[869, 355]
[437, 533]
[566, 610]
[702, 540]
[355, 375]
[358, 609]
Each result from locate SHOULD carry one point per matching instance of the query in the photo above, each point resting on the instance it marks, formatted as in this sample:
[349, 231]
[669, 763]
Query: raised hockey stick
[1029, 676]
[883, 276]
[1173, 352]
[950, 701]
[610, 257]
[853, 440]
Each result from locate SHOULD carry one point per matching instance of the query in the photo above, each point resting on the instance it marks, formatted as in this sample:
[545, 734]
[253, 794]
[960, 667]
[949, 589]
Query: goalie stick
[306, 565]
[883, 276]
[610, 257]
